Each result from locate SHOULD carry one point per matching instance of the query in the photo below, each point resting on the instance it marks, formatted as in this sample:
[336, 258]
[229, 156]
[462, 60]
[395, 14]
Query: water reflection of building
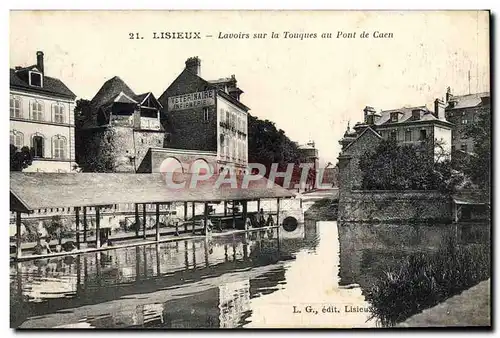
[234, 299]
[175, 286]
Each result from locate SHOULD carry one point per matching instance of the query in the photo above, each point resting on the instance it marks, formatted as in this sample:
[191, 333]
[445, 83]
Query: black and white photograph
[291, 169]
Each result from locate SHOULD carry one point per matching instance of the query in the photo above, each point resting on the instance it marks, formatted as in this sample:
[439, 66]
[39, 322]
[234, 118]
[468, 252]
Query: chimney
[39, 60]
[193, 64]
[449, 95]
[439, 109]
[369, 112]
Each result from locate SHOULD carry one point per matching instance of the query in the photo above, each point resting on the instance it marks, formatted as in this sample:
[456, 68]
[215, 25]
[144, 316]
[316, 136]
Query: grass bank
[424, 280]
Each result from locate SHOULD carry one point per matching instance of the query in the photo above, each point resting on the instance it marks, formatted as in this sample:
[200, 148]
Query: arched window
[59, 147]
[37, 110]
[58, 111]
[17, 139]
[15, 107]
[38, 144]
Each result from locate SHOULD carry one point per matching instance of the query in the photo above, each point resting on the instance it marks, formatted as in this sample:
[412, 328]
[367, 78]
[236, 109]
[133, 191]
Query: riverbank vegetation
[423, 280]
[407, 167]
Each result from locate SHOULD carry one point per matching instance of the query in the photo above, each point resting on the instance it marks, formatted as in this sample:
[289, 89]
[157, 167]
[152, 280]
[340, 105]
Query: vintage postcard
[249, 169]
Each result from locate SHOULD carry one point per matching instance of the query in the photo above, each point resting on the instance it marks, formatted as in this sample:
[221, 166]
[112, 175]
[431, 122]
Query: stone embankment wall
[394, 206]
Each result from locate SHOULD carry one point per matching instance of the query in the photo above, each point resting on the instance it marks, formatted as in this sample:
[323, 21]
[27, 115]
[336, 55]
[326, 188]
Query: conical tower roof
[109, 90]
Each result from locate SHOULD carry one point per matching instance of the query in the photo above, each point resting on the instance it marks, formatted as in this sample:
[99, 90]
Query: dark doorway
[38, 146]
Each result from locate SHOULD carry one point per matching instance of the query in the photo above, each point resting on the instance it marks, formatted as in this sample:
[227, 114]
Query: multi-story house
[462, 111]
[207, 116]
[409, 125]
[415, 126]
[42, 118]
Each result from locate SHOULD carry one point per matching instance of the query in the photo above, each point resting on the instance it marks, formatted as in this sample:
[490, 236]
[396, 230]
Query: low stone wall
[394, 206]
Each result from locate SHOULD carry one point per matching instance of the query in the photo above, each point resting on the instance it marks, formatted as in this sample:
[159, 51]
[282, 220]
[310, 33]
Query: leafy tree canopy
[20, 158]
[405, 167]
[478, 166]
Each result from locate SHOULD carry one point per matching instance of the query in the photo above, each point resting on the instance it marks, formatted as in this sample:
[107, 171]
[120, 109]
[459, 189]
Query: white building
[42, 118]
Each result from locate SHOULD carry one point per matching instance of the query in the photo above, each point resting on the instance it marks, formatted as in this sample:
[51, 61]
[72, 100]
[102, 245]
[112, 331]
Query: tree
[406, 167]
[268, 144]
[20, 159]
[478, 165]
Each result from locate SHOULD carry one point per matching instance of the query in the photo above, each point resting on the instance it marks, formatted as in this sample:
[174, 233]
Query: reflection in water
[232, 281]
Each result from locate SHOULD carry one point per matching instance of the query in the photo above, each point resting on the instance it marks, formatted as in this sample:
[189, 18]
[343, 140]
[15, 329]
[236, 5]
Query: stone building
[310, 154]
[42, 118]
[415, 125]
[207, 116]
[119, 128]
[462, 111]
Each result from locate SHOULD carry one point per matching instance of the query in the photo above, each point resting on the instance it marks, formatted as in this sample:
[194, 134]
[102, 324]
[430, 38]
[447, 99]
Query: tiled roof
[406, 115]
[110, 90]
[51, 86]
[31, 191]
[466, 101]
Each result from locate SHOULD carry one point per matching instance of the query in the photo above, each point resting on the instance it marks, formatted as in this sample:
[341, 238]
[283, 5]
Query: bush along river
[321, 274]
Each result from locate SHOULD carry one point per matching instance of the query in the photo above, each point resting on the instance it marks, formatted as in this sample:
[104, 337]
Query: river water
[313, 276]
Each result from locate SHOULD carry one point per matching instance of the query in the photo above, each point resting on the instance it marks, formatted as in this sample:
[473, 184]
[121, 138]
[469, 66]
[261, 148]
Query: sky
[311, 87]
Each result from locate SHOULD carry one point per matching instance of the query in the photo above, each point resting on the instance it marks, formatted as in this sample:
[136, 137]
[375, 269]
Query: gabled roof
[406, 115]
[141, 98]
[366, 130]
[51, 86]
[31, 191]
[209, 85]
[466, 101]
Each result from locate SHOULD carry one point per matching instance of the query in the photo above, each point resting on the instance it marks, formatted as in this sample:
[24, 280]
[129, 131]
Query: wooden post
[137, 220]
[158, 260]
[194, 255]
[85, 224]
[18, 235]
[144, 220]
[192, 209]
[225, 208]
[245, 204]
[185, 211]
[205, 247]
[157, 222]
[97, 227]
[205, 219]
[258, 205]
[77, 227]
[194, 223]
[278, 213]
[234, 217]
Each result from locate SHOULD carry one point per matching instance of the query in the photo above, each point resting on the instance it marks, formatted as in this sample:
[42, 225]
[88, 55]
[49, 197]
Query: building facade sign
[191, 100]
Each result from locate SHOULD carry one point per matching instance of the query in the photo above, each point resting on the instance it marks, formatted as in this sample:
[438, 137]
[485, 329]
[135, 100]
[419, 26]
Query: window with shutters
[58, 113]
[59, 146]
[15, 107]
[37, 110]
[17, 139]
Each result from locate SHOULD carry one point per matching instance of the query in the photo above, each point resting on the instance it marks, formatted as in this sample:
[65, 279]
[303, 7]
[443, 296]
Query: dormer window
[394, 117]
[36, 79]
[415, 114]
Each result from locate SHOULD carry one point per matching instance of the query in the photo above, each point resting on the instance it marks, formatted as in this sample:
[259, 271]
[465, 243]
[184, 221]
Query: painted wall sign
[192, 100]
